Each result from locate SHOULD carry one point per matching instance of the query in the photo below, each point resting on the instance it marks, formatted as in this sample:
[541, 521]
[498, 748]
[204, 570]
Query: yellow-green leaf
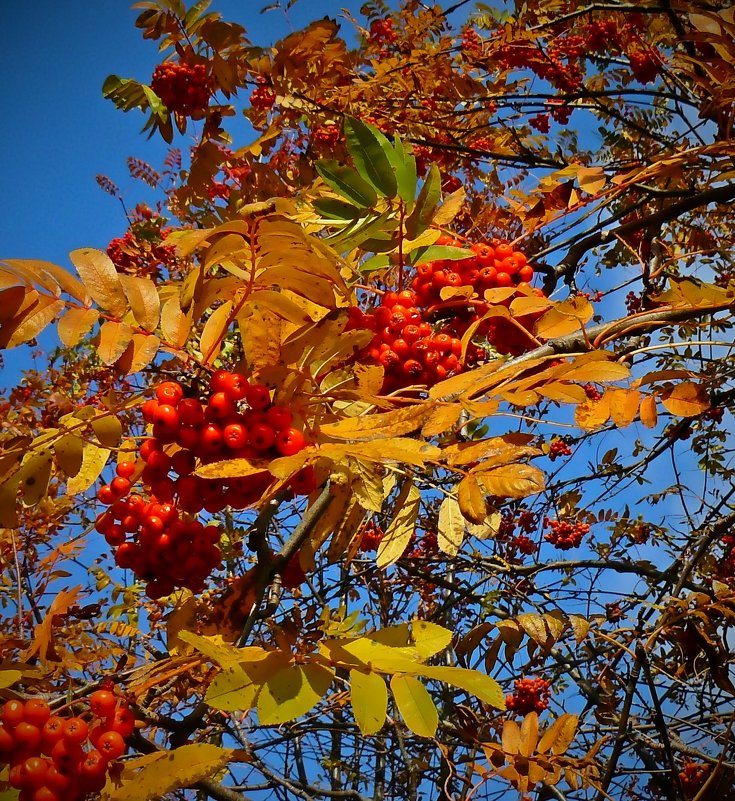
[369, 697]
[93, 461]
[415, 705]
[151, 777]
[429, 638]
[223, 653]
[69, 450]
[451, 526]
[472, 681]
[9, 677]
[34, 477]
[100, 279]
[108, 429]
[232, 690]
[292, 692]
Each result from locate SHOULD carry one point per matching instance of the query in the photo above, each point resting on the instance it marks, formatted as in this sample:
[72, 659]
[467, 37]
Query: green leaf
[369, 697]
[346, 182]
[378, 262]
[372, 153]
[336, 209]
[415, 705]
[472, 681]
[292, 692]
[404, 165]
[429, 253]
[125, 93]
[429, 196]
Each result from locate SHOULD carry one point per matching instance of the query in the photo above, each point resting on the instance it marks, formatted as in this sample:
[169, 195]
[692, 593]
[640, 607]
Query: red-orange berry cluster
[413, 350]
[529, 695]
[692, 776]
[381, 31]
[559, 447]
[426, 545]
[263, 96]
[565, 534]
[183, 88]
[371, 536]
[55, 758]
[591, 391]
[141, 255]
[326, 135]
[165, 547]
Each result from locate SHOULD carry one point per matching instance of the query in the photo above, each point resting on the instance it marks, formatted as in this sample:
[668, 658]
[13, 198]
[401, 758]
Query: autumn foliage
[389, 452]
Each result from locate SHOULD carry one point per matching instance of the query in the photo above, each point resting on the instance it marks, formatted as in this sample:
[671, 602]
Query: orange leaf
[623, 405]
[649, 415]
[686, 399]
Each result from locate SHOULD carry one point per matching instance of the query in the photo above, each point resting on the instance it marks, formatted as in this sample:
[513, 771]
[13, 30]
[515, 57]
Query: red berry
[12, 713]
[191, 412]
[125, 469]
[258, 397]
[290, 441]
[170, 392]
[120, 486]
[111, 745]
[262, 436]
[102, 703]
[279, 417]
[235, 436]
[36, 712]
[75, 730]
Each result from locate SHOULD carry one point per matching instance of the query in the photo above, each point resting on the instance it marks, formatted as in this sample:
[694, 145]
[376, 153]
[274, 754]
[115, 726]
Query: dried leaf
[386, 424]
[175, 325]
[624, 405]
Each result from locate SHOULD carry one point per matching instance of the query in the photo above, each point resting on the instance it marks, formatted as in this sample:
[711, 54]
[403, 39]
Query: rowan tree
[389, 454]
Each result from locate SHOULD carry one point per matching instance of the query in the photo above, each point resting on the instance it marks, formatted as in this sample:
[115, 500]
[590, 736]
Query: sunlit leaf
[100, 279]
[369, 697]
[415, 705]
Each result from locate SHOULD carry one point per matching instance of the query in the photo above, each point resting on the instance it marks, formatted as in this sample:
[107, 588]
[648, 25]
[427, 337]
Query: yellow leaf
[595, 366]
[512, 481]
[9, 677]
[429, 638]
[35, 473]
[450, 208]
[442, 418]
[74, 324]
[415, 705]
[489, 527]
[367, 484]
[528, 304]
[686, 399]
[623, 405]
[175, 325]
[561, 392]
[233, 468]
[564, 318]
[225, 654]
[386, 424]
[451, 527]
[398, 449]
[113, 338]
[369, 697]
[401, 527]
[580, 626]
[292, 692]
[535, 627]
[649, 415]
[592, 413]
[472, 681]
[232, 690]
[93, 461]
[591, 179]
[151, 777]
[558, 737]
[101, 279]
[144, 301]
[368, 651]
[214, 332]
[282, 305]
[494, 451]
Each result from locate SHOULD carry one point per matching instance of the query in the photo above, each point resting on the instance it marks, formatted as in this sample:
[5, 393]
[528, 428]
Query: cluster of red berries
[413, 350]
[381, 32]
[421, 547]
[529, 695]
[405, 344]
[183, 88]
[263, 96]
[141, 255]
[164, 549]
[591, 391]
[54, 758]
[614, 612]
[559, 447]
[524, 522]
[565, 534]
[325, 135]
[371, 535]
[692, 776]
